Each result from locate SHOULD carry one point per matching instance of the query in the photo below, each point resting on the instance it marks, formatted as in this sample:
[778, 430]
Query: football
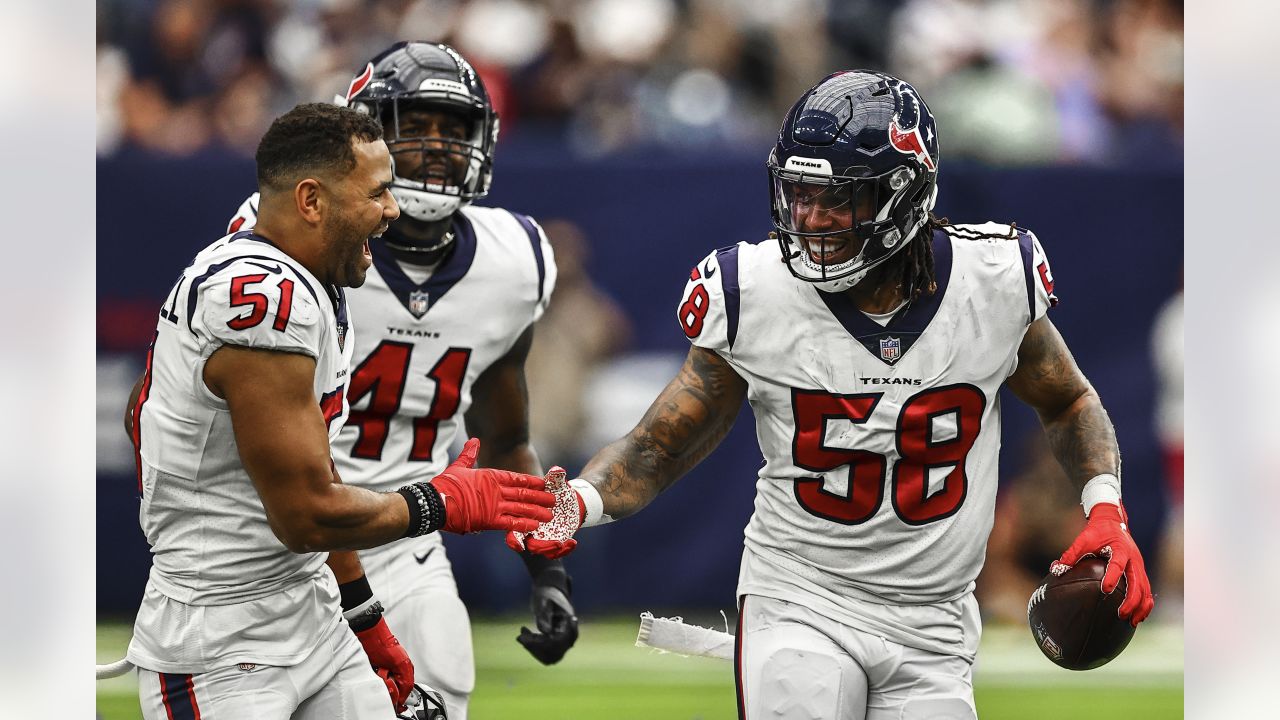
[1073, 622]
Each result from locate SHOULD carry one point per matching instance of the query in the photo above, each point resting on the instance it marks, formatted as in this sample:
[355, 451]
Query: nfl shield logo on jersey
[418, 303]
[890, 349]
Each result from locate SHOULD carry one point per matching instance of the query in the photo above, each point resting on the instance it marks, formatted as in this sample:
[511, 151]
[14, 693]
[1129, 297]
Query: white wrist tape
[1103, 488]
[368, 607]
[592, 501]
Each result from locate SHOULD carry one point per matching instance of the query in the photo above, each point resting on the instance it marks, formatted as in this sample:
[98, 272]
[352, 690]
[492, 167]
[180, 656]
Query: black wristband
[417, 507]
[355, 593]
[435, 504]
[359, 607]
[426, 508]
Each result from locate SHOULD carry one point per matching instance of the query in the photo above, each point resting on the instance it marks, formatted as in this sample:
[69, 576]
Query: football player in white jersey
[232, 422]
[871, 339]
[446, 319]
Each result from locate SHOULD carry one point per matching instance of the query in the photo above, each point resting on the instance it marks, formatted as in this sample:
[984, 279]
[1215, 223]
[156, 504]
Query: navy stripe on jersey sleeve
[536, 241]
[1028, 253]
[727, 259]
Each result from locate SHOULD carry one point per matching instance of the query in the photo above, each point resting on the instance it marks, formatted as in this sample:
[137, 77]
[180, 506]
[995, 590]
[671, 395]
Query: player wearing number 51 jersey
[446, 319]
[871, 339]
[232, 422]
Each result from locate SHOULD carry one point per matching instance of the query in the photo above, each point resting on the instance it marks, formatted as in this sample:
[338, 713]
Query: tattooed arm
[1084, 442]
[1079, 431]
[683, 426]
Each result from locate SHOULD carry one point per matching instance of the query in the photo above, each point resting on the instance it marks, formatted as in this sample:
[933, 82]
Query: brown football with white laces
[1073, 622]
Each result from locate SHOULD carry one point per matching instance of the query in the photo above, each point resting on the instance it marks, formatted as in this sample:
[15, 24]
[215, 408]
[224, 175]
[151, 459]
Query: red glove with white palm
[1107, 535]
[554, 539]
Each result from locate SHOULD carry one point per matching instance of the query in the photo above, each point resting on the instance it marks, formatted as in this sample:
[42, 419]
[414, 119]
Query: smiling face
[831, 209]
[360, 206]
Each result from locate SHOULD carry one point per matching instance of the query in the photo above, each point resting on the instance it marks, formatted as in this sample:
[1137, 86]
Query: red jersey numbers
[448, 374]
[257, 303]
[694, 308]
[936, 428]
[382, 376]
[1046, 277]
[866, 469]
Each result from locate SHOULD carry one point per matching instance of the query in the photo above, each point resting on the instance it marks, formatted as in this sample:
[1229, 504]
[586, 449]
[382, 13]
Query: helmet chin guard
[425, 205]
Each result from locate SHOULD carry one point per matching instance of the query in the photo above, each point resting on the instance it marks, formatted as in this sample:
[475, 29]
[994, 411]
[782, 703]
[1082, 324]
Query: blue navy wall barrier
[1115, 239]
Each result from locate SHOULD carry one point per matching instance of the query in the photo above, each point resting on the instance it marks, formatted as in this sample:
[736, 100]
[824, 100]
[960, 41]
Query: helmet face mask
[439, 125]
[852, 177]
[435, 149]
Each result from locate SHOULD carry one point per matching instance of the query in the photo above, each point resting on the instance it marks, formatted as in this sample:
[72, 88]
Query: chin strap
[422, 255]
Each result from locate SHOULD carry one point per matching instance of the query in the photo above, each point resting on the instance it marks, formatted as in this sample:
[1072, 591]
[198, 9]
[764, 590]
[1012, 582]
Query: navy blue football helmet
[853, 176]
[435, 174]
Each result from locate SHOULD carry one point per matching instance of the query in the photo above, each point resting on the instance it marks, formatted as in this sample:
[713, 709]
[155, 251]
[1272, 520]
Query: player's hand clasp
[554, 538]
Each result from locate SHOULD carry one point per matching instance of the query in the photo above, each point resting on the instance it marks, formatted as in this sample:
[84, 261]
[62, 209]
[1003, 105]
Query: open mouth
[829, 250]
[377, 234]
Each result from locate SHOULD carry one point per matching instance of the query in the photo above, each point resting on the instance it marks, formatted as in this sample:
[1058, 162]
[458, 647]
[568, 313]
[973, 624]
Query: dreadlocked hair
[912, 269]
[917, 265]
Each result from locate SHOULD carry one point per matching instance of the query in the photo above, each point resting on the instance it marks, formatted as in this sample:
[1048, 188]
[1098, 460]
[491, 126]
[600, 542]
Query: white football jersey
[880, 443]
[422, 346]
[222, 585]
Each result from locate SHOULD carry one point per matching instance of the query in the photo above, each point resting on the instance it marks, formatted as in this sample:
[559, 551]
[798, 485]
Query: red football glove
[1107, 535]
[554, 539]
[389, 660]
[486, 499]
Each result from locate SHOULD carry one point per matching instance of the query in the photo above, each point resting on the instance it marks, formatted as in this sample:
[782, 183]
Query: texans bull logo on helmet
[904, 131]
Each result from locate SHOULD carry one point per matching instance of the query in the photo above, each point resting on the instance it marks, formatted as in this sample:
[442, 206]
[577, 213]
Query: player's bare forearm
[345, 565]
[283, 441]
[1077, 426]
[685, 423]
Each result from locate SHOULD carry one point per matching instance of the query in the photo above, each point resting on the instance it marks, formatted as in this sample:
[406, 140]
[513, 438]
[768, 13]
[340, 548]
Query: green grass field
[606, 676]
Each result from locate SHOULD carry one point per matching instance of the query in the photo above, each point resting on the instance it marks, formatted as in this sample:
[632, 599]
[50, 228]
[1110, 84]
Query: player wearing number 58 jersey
[872, 340]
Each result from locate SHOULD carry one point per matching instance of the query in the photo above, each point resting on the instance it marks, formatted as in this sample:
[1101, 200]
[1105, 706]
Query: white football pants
[794, 664]
[413, 579]
[334, 682]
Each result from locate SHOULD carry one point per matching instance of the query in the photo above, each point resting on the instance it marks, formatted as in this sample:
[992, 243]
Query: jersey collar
[418, 299]
[892, 341]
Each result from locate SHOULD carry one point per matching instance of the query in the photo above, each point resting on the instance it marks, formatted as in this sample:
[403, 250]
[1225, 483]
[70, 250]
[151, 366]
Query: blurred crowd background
[1094, 82]
[636, 132]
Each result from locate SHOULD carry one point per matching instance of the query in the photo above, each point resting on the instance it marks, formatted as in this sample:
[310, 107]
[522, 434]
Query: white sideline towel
[673, 635]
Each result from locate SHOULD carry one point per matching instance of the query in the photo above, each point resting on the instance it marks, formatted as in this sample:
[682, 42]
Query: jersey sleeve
[547, 280]
[1037, 275]
[544, 262]
[259, 304]
[708, 309]
[246, 215]
[1043, 280]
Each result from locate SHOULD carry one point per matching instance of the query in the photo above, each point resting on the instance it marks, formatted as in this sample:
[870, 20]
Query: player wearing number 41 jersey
[871, 339]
